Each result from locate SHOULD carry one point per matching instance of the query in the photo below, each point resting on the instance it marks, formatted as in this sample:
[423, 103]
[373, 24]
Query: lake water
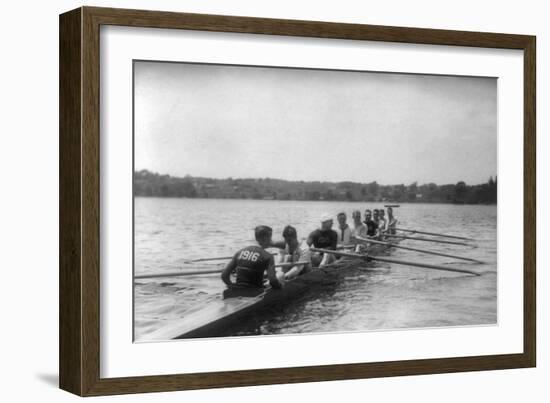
[372, 297]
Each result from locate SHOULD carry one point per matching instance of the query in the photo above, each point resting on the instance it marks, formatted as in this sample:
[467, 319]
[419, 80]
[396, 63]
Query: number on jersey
[249, 255]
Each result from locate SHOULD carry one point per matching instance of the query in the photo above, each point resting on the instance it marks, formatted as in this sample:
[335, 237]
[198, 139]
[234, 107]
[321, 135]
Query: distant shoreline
[382, 204]
[150, 184]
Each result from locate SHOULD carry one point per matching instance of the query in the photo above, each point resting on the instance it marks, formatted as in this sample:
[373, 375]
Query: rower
[382, 222]
[344, 231]
[359, 229]
[375, 216]
[392, 222]
[323, 238]
[294, 251]
[376, 220]
[372, 227]
[250, 264]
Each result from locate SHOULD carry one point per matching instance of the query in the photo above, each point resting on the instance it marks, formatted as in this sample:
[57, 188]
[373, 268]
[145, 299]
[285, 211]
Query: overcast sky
[314, 125]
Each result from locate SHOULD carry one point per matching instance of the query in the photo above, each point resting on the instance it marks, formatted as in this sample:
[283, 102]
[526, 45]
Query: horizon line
[494, 177]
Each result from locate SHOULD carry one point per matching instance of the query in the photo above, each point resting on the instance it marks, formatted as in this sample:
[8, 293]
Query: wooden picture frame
[79, 279]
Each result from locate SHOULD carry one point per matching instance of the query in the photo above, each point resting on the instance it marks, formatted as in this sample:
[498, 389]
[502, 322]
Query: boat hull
[214, 319]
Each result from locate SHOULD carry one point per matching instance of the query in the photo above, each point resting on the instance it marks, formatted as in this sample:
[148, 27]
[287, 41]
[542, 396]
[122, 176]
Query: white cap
[326, 217]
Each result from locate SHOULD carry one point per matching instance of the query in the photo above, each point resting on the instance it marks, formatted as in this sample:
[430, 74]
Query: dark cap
[262, 232]
[289, 231]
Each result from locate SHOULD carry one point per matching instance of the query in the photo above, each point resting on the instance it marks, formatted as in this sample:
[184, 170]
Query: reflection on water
[382, 296]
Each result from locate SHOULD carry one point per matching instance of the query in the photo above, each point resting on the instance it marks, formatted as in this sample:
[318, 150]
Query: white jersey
[300, 254]
[359, 231]
[391, 226]
[344, 235]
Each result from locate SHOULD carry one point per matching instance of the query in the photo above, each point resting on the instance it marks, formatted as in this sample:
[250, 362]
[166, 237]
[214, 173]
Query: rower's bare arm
[294, 272]
[272, 275]
[305, 256]
[226, 272]
[278, 244]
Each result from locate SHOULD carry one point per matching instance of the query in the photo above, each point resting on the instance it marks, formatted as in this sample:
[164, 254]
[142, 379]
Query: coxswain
[250, 264]
[323, 238]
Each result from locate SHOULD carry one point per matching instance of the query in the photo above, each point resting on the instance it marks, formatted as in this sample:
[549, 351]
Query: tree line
[152, 184]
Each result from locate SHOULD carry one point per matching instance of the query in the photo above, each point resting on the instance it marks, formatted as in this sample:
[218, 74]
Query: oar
[434, 234]
[346, 246]
[428, 252]
[210, 259]
[177, 274]
[387, 260]
[201, 272]
[429, 240]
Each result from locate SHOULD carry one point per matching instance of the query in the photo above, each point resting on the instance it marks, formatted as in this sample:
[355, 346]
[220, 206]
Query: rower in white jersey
[382, 222]
[376, 220]
[344, 231]
[292, 250]
[392, 222]
[359, 229]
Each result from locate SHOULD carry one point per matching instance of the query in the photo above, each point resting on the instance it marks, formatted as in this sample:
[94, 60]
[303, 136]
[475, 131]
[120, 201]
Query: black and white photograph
[272, 201]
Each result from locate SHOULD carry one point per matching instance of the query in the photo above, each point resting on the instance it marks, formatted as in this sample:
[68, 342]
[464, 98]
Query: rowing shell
[213, 319]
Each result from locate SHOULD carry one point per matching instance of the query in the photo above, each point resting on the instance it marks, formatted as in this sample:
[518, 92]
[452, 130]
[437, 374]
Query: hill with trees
[151, 184]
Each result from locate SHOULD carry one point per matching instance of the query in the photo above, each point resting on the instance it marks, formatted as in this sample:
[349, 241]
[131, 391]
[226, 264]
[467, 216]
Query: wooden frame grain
[79, 200]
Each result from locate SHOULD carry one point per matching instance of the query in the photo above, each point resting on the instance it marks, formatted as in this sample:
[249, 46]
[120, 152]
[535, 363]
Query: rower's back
[251, 263]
